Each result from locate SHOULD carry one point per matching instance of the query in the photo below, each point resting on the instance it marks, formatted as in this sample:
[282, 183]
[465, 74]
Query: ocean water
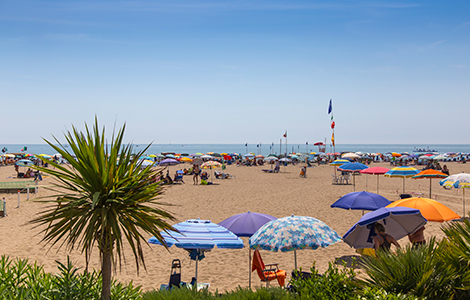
[263, 149]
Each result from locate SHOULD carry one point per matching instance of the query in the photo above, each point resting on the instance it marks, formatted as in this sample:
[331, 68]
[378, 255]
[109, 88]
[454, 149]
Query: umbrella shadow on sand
[349, 261]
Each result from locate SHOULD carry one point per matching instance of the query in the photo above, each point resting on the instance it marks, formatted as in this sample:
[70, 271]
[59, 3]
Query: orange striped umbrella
[430, 173]
[430, 209]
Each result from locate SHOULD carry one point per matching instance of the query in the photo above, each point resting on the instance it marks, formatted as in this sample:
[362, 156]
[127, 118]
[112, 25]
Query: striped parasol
[460, 180]
[430, 173]
[402, 172]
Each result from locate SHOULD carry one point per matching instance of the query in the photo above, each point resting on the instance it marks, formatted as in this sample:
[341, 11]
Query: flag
[257, 146]
[285, 134]
[333, 138]
[24, 149]
[306, 143]
[246, 144]
[333, 125]
[330, 108]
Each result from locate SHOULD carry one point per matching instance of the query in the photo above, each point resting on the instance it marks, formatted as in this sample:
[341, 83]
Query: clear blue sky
[237, 71]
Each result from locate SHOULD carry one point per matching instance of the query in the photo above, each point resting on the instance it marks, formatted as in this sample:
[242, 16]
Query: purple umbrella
[168, 162]
[246, 224]
[361, 201]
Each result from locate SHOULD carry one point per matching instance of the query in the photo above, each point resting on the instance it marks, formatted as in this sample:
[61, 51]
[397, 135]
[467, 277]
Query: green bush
[239, 293]
[22, 280]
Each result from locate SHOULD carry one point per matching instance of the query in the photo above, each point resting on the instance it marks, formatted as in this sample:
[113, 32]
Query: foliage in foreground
[103, 199]
[20, 279]
[336, 283]
[437, 270]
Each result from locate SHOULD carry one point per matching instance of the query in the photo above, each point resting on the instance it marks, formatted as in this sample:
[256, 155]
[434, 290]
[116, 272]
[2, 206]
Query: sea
[263, 149]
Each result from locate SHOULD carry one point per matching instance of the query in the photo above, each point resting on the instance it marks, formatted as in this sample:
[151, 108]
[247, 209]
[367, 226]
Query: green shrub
[22, 280]
[413, 271]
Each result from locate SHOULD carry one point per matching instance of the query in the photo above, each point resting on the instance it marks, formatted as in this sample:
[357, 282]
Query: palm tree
[103, 198]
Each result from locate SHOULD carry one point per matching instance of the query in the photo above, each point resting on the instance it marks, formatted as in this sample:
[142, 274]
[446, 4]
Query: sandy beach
[250, 189]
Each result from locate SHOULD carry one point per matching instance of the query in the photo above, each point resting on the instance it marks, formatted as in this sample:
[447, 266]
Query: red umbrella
[227, 157]
[319, 144]
[375, 171]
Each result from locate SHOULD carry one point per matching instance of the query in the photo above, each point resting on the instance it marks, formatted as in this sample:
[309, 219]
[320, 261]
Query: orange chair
[267, 272]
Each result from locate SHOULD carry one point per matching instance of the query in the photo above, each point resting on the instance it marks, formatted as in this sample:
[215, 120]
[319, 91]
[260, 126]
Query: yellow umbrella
[186, 159]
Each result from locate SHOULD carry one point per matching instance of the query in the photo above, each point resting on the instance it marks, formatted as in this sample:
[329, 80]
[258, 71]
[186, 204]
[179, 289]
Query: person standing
[196, 171]
[383, 240]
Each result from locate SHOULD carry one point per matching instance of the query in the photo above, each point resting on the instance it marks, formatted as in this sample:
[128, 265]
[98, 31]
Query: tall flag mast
[330, 111]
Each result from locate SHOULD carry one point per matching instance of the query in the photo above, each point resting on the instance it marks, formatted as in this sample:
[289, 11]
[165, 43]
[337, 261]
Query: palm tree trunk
[106, 275]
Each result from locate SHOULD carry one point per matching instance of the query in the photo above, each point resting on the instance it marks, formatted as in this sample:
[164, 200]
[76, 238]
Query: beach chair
[335, 179]
[345, 178]
[267, 272]
[179, 177]
[175, 276]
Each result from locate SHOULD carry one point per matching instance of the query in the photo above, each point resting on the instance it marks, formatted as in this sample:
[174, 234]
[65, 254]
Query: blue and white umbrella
[457, 181]
[353, 168]
[398, 222]
[197, 235]
[24, 163]
[292, 233]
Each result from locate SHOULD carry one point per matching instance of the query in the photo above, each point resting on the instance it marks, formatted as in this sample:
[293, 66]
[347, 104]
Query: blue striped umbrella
[196, 234]
[402, 172]
[292, 233]
[460, 180]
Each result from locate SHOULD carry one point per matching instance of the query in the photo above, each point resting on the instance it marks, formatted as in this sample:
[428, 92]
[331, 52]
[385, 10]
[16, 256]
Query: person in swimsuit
[196, 171]
[382, 240]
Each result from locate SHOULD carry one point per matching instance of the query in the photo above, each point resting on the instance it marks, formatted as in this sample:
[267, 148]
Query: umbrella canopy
[402, 172]
[200, 235]
[339, 162]
[461, 180]
[285, 159]
[211, 165]
[168, 162]
[375, 171]
[398, 222]
[352, 167]
[361, 201]
[432, 210]
[350, 155]
[430, 173]
[24, 163]
[146, 163]
[292, 233]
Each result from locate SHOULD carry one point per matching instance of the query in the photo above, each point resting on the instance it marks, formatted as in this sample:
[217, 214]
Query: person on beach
[417, 238]
[382, 240]
[445, 170]
[196, 171]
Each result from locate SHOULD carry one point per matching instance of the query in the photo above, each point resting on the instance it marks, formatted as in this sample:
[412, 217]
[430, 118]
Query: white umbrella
[350, 155]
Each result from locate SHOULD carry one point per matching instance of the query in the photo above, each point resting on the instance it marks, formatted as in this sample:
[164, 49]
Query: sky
[228, 72]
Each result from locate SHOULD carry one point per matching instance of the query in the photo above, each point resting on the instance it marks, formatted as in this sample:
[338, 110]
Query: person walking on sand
[382, 240]
[196, 171]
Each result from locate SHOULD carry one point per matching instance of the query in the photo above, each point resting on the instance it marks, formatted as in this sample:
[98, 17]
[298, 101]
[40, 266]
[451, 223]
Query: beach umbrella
[207, 156]
[211, 165]
[375, 171]
[361, 201]
[197, 161]
[199, 235]
[24, 163]
[246, 224]
[398, 222]
[353, 168]
[185, 159]
[430, 173]
[402, 172]
[432, 210]
[349, 155]
[460, 180]
[292, 233]
[339, 162]
[146, 163]
[249, 155]
[168, 162]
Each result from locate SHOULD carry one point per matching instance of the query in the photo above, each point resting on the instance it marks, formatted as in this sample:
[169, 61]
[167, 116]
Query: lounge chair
[178, 177]
[336, 179]
[267, 272]
[175, 276]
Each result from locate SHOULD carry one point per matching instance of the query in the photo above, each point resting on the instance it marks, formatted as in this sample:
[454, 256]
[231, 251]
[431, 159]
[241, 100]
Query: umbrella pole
[404, 184]
[249, 267]
[430, 188]
[377, 183]
[295, 258]
[366, 183]
[354, 182]
[197, 258]
[463, 191]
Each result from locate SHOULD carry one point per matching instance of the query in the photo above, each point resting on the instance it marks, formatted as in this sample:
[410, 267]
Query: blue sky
[237, 71]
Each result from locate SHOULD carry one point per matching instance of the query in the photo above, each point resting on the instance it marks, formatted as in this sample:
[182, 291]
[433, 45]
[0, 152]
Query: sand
[280, 195]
